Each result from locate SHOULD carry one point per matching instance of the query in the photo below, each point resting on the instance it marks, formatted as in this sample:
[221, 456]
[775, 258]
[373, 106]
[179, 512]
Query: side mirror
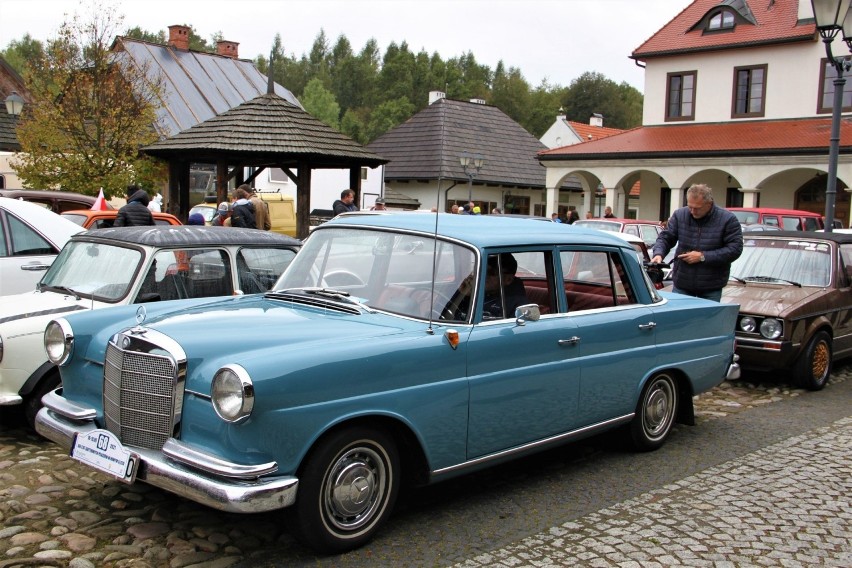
[527, 312]
[655, 271]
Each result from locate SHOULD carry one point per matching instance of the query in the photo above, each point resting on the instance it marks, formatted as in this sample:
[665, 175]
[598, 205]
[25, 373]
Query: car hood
[31, 305]
[772, 300]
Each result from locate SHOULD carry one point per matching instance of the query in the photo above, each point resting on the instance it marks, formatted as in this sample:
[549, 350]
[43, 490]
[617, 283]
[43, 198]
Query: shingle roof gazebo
[264, 132]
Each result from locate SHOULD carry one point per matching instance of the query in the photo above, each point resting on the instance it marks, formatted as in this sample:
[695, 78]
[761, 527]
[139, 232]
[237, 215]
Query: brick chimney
[228, 48]
[179, 37]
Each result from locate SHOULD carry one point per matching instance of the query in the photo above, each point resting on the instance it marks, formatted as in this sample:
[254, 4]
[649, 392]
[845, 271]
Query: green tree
[593, 93]
[19, 52]
[145, 35]
[544, 106]
[511, 93]
[353, 125]
[396, 77]
[320, 103]
[387, 115]
[89, 113]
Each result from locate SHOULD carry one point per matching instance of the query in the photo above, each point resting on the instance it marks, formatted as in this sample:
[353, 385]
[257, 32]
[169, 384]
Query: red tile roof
[777, 22]
[758, 138]
[588, 132]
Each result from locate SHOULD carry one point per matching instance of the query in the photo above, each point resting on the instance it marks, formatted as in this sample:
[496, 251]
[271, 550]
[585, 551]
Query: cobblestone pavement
[786, 505]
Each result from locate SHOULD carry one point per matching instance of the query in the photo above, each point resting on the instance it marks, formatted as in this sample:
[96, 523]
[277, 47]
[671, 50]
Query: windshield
[805, 262]
[384, 270]
[610, 226]
[102, 270]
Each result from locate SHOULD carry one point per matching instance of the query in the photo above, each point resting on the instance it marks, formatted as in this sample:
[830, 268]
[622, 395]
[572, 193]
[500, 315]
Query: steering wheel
[342, 278]
[450, 311]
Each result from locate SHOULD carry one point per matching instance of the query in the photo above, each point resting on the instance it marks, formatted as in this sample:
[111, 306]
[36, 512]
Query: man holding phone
[708, 240]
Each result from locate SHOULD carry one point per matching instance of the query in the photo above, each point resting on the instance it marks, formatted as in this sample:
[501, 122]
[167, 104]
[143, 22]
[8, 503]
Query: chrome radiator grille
[142, 395]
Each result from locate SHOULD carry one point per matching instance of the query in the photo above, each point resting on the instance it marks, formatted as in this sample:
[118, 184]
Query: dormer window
[721, 20]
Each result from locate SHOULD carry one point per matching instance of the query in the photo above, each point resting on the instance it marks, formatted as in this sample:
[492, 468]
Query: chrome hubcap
[658, 408]
[355, 487]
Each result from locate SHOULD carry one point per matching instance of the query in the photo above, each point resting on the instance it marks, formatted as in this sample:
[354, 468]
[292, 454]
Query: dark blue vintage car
[396, 346]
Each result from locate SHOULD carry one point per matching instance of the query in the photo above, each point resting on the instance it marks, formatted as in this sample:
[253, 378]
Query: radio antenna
[443, 111]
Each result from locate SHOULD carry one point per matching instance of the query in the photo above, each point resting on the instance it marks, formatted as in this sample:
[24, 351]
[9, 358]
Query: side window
[70, 206]
[4, 247]
[595, 279]
[535, 271]
[507, 276]
[811, 224]
[259, 268]
[25, 241]
[846, 257]
[195, 273]
[770, 220]
[791, 223]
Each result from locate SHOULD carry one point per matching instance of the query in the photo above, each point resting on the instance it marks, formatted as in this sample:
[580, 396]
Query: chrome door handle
[35, 267]
[570, 341]
[649, 325]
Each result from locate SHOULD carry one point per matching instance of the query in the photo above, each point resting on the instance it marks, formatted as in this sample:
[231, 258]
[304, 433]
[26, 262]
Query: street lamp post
[832, 17]
[471, 163]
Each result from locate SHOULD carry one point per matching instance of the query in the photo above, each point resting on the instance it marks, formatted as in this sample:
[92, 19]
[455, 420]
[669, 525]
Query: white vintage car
[111, 267]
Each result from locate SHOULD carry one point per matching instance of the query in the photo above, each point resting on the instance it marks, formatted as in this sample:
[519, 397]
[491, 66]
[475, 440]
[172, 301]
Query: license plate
[104, 452]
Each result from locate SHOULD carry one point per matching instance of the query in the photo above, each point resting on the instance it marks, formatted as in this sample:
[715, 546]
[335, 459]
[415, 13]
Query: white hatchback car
[30, 238]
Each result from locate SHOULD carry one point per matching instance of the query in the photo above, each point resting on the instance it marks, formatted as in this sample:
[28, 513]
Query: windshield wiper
[64, 289]
[740, 280]
[772, 279]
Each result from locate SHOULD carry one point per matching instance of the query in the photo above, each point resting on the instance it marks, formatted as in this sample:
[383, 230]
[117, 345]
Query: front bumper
[184, 477]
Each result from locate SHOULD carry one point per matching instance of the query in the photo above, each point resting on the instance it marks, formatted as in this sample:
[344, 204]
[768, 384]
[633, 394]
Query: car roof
[68, 195]
[775, 211]
[188, 235]
[802, 236]
[480, 230]
[618, 220]
[53, 226]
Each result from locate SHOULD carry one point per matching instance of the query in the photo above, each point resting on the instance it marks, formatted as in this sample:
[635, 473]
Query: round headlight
[747, 324]
[770, 328]
[58, 341]
[233, 393]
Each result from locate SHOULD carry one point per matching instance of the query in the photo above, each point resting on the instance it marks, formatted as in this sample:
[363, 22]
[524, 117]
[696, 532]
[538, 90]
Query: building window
[826, 96]
[749, 91]
[721, 20]
[680, 96]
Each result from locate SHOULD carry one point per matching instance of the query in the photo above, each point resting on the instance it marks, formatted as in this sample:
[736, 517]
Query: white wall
[10, 179]
[326, 186]
[792, 75]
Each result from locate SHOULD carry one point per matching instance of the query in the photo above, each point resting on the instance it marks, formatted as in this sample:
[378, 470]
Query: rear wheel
[347, 489]
[814, 364]
[655, 413]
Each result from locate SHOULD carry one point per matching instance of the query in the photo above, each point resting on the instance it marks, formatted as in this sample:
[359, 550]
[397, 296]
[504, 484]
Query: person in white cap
[223, 213]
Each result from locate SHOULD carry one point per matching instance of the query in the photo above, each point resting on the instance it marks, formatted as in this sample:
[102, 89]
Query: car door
[523, 378]
[841, 297]
[25, 255]
[615, 334]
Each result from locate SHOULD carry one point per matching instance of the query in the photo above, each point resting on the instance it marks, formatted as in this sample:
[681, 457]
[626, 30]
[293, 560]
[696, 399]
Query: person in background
[346, 202]
[223, 213]
[135, 213]
[379, 205]
[589, 215]
[608, 213]
[242, 214]
[156, 204]
[573, 216]
[454, 209]
[496, 211]
[195, 219]
[477, 210]
[261, 212]
[554, 218]
[708, 240]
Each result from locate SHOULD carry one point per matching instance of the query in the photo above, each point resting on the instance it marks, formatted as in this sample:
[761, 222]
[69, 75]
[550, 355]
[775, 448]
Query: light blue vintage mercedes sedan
[395, 347]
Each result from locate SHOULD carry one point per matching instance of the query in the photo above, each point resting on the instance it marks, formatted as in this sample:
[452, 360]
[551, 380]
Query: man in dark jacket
[346, 202]
[708, 240]
[135, 212]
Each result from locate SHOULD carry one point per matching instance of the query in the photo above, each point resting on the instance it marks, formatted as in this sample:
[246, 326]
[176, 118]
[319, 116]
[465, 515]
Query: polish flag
[100, 203]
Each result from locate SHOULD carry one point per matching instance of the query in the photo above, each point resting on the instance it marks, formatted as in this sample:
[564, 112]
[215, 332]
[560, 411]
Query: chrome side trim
[578, 433]
[229, 495]
[184, 453]
[62, 406]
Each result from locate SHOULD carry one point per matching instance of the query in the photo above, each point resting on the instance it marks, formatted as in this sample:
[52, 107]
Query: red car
[784, 219]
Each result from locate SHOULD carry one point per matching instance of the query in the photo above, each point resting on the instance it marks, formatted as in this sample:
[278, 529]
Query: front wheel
[347, 489]
[814, 364]
[655, 413]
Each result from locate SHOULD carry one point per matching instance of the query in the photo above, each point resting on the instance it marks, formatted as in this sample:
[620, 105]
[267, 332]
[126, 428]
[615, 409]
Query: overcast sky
[557, 40]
